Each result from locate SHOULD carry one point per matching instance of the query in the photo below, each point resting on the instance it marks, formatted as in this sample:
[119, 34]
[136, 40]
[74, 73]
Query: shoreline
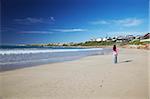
[93, 77]
[55, 57]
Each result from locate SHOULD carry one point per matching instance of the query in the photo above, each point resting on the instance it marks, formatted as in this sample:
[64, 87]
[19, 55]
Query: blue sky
[45, 21]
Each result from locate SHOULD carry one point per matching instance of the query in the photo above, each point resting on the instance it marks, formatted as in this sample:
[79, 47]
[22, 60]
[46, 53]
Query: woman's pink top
[115, 52]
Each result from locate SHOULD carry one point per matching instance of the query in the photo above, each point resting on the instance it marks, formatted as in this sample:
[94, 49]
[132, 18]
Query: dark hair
[114, 48]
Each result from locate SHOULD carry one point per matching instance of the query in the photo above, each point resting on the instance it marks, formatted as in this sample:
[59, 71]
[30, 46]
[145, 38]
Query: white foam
[33, 51]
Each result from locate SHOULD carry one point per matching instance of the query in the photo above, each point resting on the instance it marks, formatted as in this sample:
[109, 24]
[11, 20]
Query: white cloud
[52, 18]
[35, 32]
[100, 22]
[30, 20]
[69, 30]
[34, 20]
[128, 22]
[52, 31]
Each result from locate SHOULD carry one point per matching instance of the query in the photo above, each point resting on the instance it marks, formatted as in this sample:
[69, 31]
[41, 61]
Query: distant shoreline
[146, 46]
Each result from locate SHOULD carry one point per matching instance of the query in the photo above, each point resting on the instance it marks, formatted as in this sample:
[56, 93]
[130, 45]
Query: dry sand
[94, 77]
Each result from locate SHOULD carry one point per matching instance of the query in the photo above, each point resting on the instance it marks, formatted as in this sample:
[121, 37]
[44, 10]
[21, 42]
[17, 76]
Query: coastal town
[128, 41]
[125, 38]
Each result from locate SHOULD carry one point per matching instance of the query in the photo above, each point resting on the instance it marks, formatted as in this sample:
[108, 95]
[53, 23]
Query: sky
[62, 21]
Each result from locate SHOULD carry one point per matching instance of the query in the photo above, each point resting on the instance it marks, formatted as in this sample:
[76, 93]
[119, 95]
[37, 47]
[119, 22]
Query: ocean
[15, 57]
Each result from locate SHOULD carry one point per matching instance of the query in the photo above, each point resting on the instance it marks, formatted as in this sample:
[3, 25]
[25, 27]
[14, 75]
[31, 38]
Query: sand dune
[94, 77]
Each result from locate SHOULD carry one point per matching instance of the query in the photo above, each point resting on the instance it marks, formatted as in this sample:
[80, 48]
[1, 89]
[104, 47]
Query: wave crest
[34, 51]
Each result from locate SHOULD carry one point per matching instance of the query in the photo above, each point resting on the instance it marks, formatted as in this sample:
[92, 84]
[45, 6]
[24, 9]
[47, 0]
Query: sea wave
[34, 51]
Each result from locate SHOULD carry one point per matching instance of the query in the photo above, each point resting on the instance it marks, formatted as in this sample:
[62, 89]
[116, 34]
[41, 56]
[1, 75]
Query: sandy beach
[93, 77]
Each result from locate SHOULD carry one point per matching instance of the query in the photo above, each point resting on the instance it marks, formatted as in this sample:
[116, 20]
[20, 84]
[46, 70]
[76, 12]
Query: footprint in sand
[101, 86]
[101, 83]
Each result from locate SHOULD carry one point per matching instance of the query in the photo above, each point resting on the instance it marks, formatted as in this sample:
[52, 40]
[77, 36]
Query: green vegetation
[147, 42]
[65, 45]
[135, 42]
[37, 45]
[138, 42]
[95, 43]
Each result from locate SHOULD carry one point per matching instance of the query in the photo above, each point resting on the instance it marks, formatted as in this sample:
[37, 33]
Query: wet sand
[94, 77]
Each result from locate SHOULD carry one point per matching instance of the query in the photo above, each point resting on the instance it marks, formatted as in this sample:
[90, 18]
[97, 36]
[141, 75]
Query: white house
[104, 39]
[99, 39]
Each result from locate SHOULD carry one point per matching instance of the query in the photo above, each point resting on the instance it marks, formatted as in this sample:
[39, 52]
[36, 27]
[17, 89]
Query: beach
[92, 77]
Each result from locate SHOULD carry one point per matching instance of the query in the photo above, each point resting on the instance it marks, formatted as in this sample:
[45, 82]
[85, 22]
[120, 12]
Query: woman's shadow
[126, 61]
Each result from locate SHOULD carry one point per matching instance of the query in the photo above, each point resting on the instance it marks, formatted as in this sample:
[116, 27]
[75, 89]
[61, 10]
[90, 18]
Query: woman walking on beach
[115, 54]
